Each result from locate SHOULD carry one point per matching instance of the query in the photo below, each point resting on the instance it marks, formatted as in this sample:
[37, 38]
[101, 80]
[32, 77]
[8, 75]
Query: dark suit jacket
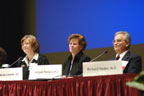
[42, 60]
[134, 63]
[77, 64]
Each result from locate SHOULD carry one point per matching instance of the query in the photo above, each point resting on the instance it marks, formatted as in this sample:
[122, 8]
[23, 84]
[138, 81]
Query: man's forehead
[121, 36]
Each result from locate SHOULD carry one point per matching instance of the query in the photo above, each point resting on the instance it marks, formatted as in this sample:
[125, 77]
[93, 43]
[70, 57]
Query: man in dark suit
[121, 43]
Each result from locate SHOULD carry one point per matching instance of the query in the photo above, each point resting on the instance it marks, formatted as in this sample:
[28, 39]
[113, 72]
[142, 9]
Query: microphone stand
[15, 62]
[105, 52]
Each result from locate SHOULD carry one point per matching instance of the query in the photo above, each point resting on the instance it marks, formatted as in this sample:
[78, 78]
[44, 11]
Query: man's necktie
[117, 58]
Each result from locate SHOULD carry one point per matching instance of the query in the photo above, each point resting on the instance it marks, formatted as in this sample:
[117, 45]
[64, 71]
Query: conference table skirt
[112, 85]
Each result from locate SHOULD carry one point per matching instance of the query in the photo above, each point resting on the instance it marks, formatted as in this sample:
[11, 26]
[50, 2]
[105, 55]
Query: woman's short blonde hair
[33, 42]
[81, 39]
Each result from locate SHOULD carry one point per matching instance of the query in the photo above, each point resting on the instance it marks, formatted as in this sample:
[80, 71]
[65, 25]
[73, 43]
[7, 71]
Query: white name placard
[102, 68]
[45, 71]
[11, 74]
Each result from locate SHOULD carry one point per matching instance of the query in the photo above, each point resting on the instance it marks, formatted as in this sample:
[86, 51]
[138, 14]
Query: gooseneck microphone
[19, 59]
[104, 52]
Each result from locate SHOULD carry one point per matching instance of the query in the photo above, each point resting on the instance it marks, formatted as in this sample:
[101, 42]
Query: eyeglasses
[25, 43]
[118, 40]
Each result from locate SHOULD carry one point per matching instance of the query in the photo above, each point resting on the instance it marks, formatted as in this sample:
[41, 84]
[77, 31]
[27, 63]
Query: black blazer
[77, 64]
[134, 63]
[42, 60]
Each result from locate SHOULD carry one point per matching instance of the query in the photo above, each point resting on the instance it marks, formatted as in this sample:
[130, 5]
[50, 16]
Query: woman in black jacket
[73, 64]
[30, 47]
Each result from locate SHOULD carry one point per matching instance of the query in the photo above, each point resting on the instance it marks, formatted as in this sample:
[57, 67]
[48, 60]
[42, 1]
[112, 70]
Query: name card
[102, 68]
[45, 71]
[11, 74]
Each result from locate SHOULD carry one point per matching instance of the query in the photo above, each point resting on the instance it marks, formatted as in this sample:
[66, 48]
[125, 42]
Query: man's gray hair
[127, 36]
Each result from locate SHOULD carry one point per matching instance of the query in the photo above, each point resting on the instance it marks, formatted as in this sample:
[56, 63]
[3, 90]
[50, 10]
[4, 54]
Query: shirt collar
[122, 54]
[35, 57]
[77, 56]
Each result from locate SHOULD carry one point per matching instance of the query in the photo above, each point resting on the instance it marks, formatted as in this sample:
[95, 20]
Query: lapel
[75, 62]
[34, 61]
[126, 56]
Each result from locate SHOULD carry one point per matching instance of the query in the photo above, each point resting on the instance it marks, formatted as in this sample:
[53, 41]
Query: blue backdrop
[97, 20]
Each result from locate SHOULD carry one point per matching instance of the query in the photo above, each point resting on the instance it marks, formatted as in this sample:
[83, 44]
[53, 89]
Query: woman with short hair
[73, 64]
[30, 47]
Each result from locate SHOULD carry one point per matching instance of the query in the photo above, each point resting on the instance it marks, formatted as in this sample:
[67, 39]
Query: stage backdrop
[97, 20]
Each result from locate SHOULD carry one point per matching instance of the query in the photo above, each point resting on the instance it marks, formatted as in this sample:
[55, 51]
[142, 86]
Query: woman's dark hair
[81, 39]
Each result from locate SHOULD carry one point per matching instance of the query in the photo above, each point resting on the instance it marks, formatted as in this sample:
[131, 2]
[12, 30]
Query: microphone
[104, 52]
[20, 58]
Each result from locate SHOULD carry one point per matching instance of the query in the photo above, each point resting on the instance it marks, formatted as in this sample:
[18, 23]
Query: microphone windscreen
[20, 58]
[105, 51]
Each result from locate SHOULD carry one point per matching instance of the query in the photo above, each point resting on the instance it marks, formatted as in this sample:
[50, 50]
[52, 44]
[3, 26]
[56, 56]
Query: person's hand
[64, 76]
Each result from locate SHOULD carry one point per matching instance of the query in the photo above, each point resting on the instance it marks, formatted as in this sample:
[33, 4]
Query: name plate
[11, 74]
[102, 68]
[45, 72]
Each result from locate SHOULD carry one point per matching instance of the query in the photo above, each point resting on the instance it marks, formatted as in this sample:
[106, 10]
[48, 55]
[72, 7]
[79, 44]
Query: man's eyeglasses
[118, 40]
